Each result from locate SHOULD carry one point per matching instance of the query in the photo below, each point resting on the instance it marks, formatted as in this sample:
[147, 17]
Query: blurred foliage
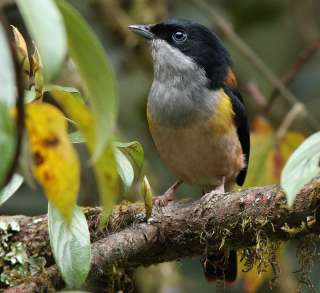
[126, 12]
[269, 153]
[104, 166]
[96, 73]
[54, 162]
[277, 30]
[170, 272]
[250, 11]
[54, 52]
[8, 142]
[302, 167]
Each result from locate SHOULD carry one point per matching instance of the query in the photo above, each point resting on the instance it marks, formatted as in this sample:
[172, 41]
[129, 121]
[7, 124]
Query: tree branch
[185, 229]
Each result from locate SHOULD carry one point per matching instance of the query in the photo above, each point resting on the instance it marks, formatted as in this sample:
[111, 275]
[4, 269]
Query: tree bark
[235, 220]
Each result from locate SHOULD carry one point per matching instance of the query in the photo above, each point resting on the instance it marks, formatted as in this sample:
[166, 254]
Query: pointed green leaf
[147, 196]
[105, 170]
[125, 169]
[70, 245]
[76, 137]
[23, 61]
[11, 188]
[95, 71]
[302, 167]
[46, 27]
[124, 165]
[7, 102]
[134, 152]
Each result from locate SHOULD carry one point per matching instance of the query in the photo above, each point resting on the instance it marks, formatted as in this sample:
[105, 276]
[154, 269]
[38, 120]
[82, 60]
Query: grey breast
[179, 93]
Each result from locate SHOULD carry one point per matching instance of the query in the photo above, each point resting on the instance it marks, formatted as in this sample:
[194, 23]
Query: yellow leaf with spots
[55, 162]
[105, 166]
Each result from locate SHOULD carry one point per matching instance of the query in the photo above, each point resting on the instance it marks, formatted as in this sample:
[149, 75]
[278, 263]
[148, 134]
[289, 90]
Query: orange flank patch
[231, 79]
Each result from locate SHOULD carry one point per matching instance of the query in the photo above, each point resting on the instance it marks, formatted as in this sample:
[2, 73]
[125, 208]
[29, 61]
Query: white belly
[196, 155]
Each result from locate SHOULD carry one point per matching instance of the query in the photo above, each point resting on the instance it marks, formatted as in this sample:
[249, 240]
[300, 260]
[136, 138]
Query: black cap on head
[195, 41]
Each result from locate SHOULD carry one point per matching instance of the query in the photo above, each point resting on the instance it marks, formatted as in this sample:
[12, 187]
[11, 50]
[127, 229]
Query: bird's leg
[168, 196]
[218, 190]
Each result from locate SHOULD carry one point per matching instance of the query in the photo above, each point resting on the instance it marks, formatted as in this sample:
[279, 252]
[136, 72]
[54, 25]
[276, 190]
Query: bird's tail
[220, 265]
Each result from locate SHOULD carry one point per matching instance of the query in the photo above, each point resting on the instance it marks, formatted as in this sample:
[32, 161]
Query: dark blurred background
[278, 31]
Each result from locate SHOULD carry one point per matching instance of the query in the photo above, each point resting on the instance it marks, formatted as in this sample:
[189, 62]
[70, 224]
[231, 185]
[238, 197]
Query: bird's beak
[142, 30]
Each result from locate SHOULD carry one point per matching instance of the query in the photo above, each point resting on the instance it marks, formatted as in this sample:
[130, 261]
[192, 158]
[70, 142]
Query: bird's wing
[242, 125]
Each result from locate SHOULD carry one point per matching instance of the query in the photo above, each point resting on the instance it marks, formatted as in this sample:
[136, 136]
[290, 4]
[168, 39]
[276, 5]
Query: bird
[197, 117]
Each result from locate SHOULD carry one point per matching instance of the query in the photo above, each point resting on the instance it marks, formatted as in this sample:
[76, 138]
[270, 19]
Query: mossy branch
[182, 229]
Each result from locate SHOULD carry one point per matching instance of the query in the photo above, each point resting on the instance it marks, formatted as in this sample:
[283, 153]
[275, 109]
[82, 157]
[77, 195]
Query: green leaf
[105, 167]
[25, 161]
[95, 71]
[30, 95]
[76, 137]
[129, 158]
[11, 188]
[70, 245]
[147, 196]
[46, 27]
[105, 170]
[134, 152]
[7, 102]
[7, 77]
[302, 167]
[125, 169]
[124, 164]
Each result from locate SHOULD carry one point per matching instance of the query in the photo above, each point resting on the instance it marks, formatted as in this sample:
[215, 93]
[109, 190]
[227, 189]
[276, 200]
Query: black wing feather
[243, 131]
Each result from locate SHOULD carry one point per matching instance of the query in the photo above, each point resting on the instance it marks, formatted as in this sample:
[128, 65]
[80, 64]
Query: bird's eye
[179, 36]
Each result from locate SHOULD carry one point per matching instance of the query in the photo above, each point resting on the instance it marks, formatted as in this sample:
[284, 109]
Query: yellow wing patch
[222, 119]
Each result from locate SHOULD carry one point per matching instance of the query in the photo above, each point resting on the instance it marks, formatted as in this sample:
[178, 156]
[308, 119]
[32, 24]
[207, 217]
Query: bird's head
[183, 44]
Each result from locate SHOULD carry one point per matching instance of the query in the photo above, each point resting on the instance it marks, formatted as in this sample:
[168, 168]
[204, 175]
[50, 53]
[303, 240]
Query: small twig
[19, 102]
[296, 110]
[303, 58]
[235, 39]
[255, 92]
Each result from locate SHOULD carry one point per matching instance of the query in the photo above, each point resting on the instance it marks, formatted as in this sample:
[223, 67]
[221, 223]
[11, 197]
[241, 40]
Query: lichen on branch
[254, 221]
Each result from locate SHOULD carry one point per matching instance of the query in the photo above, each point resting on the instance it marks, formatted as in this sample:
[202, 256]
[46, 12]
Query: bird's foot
[219, 189]
[164, 199]
[168, 196]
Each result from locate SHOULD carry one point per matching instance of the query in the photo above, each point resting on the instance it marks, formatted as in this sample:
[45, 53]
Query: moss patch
[306, 253]
[15, 264]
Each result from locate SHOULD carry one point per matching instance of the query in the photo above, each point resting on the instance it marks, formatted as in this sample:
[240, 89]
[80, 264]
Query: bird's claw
[164, 200]
[168, 196]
